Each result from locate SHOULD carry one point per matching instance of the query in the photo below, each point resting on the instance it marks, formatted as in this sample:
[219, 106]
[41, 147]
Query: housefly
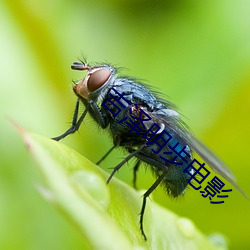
[104, 93]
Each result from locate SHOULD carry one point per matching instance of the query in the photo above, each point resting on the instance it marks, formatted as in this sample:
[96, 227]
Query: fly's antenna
[80, 66]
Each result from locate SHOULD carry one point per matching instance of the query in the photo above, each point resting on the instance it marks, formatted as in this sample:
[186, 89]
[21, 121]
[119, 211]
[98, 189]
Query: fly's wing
[171, 120]
[213, 161]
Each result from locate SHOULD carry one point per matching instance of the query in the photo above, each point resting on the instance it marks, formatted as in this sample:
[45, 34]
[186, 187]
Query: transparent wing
[213, 161]
[174, 123]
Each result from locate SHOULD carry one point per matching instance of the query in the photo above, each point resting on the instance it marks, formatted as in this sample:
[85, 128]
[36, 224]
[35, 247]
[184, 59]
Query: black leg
[75, 124]
[123, 162]
[105, 155]
[145, 196]
[136, 167]
[76, 111]
[98, 115]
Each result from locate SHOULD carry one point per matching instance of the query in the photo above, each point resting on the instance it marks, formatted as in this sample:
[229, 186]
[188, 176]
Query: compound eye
[97, 79]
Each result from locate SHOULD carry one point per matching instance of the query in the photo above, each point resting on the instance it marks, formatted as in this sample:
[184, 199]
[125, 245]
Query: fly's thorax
[96, 83]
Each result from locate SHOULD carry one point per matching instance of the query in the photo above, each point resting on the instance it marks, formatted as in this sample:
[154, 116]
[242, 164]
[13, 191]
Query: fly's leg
[145, 196]
[123, 162]
[135, 169]
[92, 108]
[97, 114]
[75, 124]
[105, 155]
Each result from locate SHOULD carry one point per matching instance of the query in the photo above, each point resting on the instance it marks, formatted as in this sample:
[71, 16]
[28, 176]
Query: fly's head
[92, 86]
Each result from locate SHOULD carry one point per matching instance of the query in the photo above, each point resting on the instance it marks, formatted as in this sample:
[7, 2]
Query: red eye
[97, 79]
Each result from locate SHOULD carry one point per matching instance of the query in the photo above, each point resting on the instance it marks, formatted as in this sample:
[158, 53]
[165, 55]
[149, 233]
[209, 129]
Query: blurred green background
[195, 52]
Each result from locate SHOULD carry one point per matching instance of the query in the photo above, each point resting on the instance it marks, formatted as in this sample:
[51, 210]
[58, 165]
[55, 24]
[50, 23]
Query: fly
[117, 102]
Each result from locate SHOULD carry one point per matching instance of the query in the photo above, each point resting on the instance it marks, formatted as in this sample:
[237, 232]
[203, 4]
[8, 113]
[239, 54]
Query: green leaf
[107, 215]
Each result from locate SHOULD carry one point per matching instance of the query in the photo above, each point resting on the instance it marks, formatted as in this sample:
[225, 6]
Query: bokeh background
[195, 52]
